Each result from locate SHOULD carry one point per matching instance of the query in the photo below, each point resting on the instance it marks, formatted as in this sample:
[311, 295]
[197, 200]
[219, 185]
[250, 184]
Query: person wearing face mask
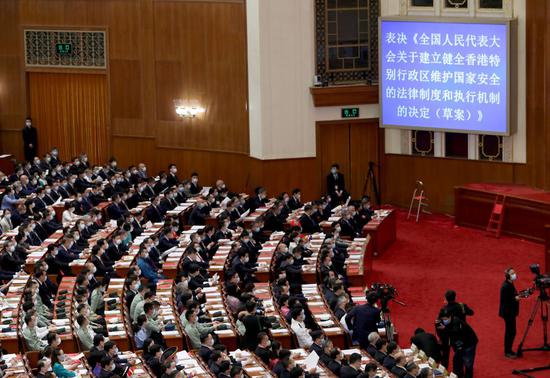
[154, 213]
[509, 310]
[148, 270]
[5, 221]
[113, 166]
[172, 178]
[309, 225]
[30, 139]
[243, 268]
[463, 340]
[459, 310]
[206, 348]
[259, 200]
[44, 366]
[198, 214]
[65, 253]
[195, 186]
[263, 351]
[336, 186]
[294, 201]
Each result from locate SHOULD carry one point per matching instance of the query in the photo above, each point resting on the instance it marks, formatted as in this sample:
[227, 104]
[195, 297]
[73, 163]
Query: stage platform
[526, 209]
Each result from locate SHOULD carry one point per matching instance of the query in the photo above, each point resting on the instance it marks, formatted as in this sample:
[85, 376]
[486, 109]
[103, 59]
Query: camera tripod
[371, 179]
[542, 303]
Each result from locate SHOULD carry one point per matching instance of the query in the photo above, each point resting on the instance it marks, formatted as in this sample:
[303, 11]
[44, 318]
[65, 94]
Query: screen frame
[511, 70]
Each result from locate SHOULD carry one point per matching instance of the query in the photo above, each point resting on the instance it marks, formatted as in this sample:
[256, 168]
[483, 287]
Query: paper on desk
[311, 361]
[244, 215]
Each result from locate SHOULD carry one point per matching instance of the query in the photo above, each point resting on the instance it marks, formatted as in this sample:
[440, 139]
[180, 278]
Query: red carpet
[433, 256]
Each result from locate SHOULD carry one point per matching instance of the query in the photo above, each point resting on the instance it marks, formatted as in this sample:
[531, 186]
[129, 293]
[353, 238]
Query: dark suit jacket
[263, 353]
[365, 319]
[428, 343]
[509, 307]
[153, 214]
[349, 372]
[332, 183]
[389, 362]
[398, 371]
[309, 226]
[294, 204]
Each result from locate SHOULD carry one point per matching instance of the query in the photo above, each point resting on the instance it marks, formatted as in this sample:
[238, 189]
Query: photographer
[459, 310]
[254, 322]
[509, 310]
[463, 340]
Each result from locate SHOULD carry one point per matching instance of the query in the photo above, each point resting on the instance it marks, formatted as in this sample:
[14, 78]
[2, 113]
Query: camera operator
[463, 340]
[365, 319]
[458, 309]
[509, 310]
[254, 322]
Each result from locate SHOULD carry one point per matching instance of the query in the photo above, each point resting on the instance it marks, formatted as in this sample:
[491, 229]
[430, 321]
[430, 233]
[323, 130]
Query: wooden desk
[263, 291]
[359, 262]
[6, 164]
[382, 230]
[323, 316]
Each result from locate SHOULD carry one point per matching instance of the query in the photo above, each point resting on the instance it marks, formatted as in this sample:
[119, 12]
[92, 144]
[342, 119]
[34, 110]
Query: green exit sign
[350, 112]
[63, 48]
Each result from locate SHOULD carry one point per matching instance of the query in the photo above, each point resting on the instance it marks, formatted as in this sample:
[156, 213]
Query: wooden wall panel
[364, 149]
[126, 94]
[201, 59]
[333, 146]
[440, 176]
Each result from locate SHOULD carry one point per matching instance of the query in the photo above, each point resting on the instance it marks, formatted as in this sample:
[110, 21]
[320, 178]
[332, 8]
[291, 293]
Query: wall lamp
[186, 111]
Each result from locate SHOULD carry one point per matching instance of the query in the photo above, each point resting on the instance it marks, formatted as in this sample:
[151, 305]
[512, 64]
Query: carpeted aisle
[433, 256]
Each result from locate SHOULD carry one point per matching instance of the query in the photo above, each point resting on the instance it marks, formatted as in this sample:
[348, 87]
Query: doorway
[70, 112]
[352, 145]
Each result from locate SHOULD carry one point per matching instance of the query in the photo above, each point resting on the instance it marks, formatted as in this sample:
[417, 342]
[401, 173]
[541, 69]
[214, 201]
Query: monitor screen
[445, 75]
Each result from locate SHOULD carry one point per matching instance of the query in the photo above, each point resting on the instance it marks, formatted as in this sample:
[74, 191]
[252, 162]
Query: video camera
[542, 281]
[385, 292]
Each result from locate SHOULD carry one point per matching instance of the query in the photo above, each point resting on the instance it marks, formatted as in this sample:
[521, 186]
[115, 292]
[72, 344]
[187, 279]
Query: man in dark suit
[399, 369]
[428, 343]
[365, 319]
[154, 212]
[463, 340]
[263, 351]
[336, 186]
[457, 309]
[116, 210]
[309, 226]
[509, 310]
[172, 178]
[294, 201]
[353, 369]
[30, 139]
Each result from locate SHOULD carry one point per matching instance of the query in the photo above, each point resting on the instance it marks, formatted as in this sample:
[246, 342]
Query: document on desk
[244, 215]
[311, 361]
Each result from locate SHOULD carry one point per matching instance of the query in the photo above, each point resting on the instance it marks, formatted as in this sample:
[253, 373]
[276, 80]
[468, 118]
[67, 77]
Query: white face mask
[513, 277]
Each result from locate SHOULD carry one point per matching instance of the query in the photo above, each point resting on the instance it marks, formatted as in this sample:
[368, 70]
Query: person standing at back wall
[30, 140]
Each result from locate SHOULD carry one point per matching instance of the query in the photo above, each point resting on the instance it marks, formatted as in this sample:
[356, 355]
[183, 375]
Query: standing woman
[30, 140]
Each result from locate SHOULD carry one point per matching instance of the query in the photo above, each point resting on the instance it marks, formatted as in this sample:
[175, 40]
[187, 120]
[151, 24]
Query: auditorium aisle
[433, 256]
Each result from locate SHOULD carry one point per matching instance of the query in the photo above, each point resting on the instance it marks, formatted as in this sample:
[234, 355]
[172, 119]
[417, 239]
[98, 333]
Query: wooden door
[70, 112]
[333, 147]
[352, 145]
[364, 148]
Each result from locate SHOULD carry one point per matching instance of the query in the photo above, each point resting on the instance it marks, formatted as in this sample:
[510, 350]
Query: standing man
[464, 341]
[336, 185]
[509, 310]
[30, 140]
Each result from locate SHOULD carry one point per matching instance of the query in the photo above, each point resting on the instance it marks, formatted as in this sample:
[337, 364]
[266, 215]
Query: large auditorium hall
[274, 188]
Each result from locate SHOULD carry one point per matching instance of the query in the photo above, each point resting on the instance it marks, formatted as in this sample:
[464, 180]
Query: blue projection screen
[445, 75]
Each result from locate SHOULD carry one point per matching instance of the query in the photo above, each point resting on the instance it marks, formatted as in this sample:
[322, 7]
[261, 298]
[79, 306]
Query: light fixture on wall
[187, 111]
